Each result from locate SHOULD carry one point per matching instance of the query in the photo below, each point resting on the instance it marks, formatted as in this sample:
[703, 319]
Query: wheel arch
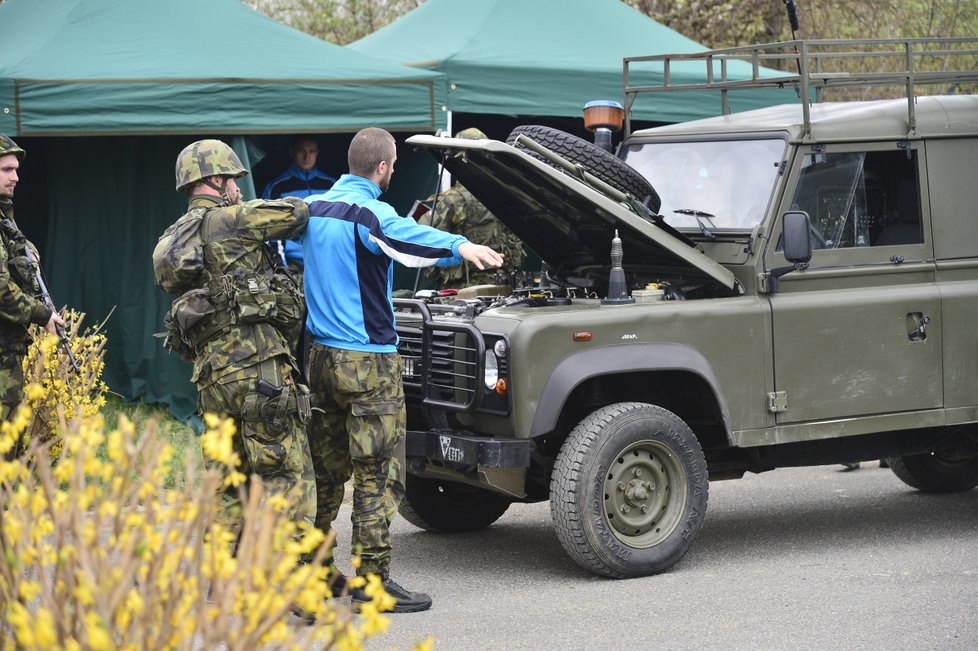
[674, 374]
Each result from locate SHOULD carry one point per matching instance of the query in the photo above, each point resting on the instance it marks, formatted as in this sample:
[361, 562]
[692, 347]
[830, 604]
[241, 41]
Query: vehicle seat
[904, 226]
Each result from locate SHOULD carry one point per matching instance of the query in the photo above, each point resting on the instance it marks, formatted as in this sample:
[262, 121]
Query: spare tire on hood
[602, 164]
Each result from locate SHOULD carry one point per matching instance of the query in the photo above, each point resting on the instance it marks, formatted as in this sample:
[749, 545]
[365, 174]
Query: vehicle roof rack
[820, 64]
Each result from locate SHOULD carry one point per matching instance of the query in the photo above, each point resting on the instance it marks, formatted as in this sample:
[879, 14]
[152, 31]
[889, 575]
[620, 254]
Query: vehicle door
[856, 333]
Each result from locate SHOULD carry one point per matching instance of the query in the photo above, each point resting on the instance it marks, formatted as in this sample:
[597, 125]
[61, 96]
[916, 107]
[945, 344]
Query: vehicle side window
[860, 198]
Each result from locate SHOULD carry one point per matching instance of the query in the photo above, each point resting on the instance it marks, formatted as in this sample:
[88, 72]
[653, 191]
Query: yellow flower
[83, 592]
[29, 590]
[96, 633]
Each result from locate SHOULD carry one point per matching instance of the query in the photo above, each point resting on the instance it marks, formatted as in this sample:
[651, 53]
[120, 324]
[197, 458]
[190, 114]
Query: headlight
[500, 348]
[492, 370]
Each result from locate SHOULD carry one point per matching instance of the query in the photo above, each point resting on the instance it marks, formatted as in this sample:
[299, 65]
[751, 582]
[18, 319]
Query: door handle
[917, 326]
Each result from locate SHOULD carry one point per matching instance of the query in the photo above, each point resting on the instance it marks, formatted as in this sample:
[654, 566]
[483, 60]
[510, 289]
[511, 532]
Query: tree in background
[715, 23]
[720, 23]
[336, 21]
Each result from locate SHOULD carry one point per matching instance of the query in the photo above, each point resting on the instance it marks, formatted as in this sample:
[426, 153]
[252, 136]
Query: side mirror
[797, 240]
[797, 236]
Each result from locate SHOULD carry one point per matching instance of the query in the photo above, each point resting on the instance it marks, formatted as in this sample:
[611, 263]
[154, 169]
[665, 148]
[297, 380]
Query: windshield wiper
[698, 215]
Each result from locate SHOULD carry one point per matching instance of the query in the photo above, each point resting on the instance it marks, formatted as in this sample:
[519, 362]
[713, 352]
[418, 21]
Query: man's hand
[54, 323]
[479, 255]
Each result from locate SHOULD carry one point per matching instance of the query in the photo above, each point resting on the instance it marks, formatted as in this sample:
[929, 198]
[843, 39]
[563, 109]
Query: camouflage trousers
[271, 440]
[11, 383]
[360, 432]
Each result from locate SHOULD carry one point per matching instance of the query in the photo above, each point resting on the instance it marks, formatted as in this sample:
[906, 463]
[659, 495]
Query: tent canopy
[103, 94]
[550, 57]
[84, 67]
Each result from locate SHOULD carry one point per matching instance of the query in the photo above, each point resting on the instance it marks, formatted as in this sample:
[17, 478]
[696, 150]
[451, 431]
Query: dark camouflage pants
[276, 450]
[11, 383]
[360, 432]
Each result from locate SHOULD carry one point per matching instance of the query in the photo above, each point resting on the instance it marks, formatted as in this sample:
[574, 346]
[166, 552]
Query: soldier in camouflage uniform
[457, 211]
[355, 370]
[243, 366]
[19, 306]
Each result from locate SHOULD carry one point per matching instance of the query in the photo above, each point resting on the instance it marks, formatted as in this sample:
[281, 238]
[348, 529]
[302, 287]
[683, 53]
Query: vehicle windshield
[715, 185]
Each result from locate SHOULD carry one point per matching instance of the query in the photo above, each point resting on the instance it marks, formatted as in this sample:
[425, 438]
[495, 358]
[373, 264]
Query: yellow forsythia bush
[96, 554]
[54, 391]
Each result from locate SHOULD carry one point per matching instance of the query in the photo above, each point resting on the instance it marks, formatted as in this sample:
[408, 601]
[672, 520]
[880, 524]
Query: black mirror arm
[777, 272]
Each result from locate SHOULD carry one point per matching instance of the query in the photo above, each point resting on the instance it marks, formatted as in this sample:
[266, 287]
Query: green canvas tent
[103, 94]
[81, 67]
[549, 57]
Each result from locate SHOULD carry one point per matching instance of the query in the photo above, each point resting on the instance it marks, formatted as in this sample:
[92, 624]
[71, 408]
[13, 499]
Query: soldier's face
[8, 175]
[233, 192]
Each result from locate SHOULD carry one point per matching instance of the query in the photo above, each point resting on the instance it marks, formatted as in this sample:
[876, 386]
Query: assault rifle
[45, 295]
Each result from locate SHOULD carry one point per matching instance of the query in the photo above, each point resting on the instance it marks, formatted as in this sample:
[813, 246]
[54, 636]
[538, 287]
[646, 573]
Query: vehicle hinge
[764, 283]
[777, 402]
[782, 167]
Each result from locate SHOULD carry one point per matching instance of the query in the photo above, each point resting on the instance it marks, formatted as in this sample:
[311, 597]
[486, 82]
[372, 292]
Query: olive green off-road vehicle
[789, 286]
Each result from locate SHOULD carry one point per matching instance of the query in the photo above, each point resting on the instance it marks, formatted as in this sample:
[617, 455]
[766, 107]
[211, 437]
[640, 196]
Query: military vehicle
[789, 286]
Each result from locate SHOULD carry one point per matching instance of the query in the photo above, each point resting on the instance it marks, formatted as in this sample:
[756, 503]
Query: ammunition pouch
[193, 320]
[274, 298]
[290, 315]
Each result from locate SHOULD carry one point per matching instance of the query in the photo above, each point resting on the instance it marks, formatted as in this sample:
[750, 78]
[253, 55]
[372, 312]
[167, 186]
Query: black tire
[604, 165]
[449, 507]
[629, 490]
[936, 472]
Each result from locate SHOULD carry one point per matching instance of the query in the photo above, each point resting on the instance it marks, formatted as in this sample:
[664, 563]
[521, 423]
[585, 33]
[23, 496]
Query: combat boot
[337, 585]
[405, 601]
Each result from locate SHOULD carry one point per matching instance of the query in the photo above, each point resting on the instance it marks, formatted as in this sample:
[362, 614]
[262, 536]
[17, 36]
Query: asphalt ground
[798, 558]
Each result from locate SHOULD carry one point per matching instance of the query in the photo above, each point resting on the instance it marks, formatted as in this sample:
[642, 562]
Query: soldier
[242, 364]
[355, 370]
[18, 305]
[457, 211]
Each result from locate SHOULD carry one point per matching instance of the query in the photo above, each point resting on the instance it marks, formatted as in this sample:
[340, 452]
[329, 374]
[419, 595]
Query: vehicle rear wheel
[450, 507]
[936, 472]
[604, 165]
[629, 490]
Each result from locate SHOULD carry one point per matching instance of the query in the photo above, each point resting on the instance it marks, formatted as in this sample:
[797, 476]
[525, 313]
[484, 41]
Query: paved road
[807, 558]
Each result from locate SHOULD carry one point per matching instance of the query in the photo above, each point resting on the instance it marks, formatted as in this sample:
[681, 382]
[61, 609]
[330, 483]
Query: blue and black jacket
[349, 247]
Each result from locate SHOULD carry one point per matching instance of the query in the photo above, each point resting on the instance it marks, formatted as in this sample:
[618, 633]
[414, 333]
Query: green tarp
[550, 57]
[77, 67]
[103, 94]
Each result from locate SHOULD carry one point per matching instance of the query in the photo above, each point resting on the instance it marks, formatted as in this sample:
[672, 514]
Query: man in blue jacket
[355, 370]
[302, 179]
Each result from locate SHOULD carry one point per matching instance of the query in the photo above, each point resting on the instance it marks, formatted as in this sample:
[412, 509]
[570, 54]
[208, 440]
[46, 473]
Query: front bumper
[467, 450]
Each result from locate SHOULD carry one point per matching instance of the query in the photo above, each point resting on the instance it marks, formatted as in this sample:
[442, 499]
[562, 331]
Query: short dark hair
[301, 138]
[368, 148]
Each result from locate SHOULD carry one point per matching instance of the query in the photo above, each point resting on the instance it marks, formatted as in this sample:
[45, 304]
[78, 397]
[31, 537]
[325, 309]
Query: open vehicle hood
[564, 220]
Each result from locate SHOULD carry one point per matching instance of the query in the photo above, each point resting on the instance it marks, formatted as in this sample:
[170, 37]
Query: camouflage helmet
[205, 158]
[8, 146]
[471, 134]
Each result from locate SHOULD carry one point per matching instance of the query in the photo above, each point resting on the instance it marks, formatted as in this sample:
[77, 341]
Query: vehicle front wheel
[450, 507]
[937, 472]
[629, 490]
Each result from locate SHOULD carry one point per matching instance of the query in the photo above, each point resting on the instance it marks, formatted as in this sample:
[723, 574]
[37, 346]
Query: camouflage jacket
[457, 211]
[234, 238]
[18, 305]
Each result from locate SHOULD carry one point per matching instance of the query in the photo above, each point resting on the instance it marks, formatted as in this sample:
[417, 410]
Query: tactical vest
[270, 294]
